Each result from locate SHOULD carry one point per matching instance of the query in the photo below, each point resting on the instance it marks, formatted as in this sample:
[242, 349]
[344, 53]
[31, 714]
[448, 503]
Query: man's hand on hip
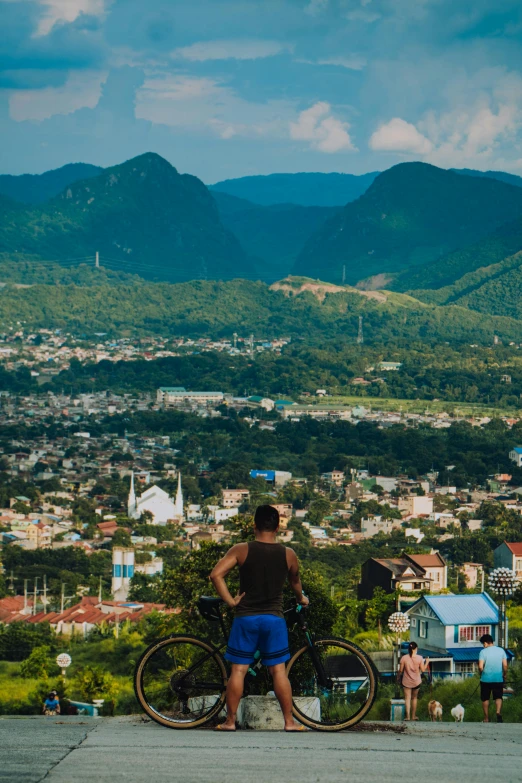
[235, 601]
[304, 600]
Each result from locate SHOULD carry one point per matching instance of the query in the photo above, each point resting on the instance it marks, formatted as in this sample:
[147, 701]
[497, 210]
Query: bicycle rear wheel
[180, 682]
[349, 691]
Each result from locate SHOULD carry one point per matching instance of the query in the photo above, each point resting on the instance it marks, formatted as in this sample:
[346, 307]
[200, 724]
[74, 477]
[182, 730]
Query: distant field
[457, 409]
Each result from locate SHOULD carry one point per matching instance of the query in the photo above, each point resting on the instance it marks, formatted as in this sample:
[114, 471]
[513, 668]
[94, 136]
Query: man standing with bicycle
[264, 566]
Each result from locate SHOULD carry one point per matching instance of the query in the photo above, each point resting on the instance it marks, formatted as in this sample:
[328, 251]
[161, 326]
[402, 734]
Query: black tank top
[262, 577]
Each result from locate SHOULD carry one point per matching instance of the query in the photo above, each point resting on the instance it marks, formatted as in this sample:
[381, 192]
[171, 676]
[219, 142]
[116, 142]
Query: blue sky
[226, 88]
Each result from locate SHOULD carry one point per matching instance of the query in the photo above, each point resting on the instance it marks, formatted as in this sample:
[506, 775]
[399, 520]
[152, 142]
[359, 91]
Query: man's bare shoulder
[290, 554]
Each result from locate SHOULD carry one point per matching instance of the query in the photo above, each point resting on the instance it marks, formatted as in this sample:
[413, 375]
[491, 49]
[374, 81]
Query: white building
[516, 455]
[158, 502]
[177, 395]
[416, 505]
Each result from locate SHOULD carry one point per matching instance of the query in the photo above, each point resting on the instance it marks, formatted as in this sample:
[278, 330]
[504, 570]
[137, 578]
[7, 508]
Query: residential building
[416, 505]
[509, 555]
[335, 477]
[473, 574]
[372, 525]
[393, 573]
[447, 628]
[435, 569]
[39, 535]
[516, 455]
[234, 497]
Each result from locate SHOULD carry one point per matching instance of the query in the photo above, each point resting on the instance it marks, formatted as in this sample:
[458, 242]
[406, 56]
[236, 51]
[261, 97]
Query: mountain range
[411, 214]
[142, 216]
[306, 189]
[446, 237]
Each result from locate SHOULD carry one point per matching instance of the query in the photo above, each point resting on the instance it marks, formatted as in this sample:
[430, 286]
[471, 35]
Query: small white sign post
[63, 661]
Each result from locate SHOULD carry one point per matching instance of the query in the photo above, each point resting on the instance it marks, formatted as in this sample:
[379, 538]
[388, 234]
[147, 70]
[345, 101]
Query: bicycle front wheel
[340, 694]
[180, 682]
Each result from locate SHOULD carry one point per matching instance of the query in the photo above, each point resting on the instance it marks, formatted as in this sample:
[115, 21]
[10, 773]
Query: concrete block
[263, 713]
[397, 710]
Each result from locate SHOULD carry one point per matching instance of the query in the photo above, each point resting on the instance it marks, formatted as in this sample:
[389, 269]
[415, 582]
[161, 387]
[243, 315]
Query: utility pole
[35, 593]
[100, 591]
[97, 263]
[25, 594]
[45, 593]
[235, 340]
[252, 344]
[62, 602]
[11, 582]
[360, 338]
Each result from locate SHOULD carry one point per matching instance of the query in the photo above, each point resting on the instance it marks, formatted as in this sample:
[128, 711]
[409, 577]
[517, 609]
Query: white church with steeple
[158, 502]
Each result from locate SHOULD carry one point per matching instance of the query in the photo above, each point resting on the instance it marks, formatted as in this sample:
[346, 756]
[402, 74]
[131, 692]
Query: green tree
[93, 682]
[38, 664]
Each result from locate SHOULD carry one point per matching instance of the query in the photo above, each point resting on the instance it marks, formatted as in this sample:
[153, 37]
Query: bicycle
[180, 680]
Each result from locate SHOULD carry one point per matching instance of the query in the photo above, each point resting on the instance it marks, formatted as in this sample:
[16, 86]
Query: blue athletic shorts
[264, 632]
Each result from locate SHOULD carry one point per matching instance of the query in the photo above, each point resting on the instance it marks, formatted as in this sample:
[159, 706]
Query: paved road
[64, 750]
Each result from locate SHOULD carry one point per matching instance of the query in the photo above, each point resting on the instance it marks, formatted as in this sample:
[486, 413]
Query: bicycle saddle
[209, 607]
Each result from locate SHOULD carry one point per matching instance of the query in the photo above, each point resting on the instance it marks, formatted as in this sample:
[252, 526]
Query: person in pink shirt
[410, 676]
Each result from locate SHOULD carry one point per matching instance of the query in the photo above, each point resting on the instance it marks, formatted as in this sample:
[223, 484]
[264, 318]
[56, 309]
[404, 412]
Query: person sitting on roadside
[51, 705]
[493, 669]
[411, 668]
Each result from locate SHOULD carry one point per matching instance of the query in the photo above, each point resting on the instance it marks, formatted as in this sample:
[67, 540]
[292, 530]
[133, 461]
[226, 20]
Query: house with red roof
[509, 555]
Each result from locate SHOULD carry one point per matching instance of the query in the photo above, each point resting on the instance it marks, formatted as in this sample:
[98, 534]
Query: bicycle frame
[255, 667]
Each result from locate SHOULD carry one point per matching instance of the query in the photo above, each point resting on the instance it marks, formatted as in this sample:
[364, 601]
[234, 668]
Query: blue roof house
[448, 629]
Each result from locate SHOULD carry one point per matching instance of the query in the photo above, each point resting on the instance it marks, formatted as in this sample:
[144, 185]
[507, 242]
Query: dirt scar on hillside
[319, 290]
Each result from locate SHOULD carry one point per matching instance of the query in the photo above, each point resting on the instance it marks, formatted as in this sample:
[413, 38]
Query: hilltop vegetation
[412, 214]
[142, 214]
[211, 308]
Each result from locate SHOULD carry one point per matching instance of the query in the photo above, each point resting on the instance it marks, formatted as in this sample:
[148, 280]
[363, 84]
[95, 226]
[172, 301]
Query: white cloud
[362, 15]
[239, 49]
[203, 104]
[66, 11]
[315, 7]
[353, 63]
[82, 89]
[324, 132]
[397, 135]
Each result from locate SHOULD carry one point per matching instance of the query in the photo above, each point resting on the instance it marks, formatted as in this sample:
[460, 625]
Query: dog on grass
[435, 710]
[458, 713]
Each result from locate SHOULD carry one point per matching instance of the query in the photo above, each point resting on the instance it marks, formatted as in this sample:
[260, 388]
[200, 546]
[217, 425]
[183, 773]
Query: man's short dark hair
[266, 518]
[486, 639]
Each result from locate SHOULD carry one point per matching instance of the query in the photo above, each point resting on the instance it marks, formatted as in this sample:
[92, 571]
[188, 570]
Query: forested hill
[505, 241]
[142, 216]
[301, 309]
[273, 235]
[412, 214]
[306, 189]
[37, 188]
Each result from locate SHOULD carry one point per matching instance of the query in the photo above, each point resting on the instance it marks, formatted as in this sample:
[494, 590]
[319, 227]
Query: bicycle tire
[140, 689]
[362, 659]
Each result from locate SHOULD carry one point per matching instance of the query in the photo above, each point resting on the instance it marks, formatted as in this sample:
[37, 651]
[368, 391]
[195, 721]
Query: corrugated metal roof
[461, 654]
[463, 609]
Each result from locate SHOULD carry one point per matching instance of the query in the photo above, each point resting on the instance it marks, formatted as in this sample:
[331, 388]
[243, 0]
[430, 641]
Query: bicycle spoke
[336, 692]
[181, 682]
